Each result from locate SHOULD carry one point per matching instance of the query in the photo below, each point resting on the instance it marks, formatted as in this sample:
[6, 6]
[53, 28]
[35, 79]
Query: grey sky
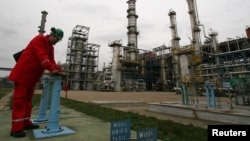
[107, 20]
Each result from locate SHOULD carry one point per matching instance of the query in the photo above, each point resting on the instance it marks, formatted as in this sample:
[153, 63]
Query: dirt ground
[148, 97]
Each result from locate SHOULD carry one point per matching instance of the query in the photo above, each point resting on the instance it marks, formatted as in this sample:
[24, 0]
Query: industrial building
[82, 59]
[193, 69]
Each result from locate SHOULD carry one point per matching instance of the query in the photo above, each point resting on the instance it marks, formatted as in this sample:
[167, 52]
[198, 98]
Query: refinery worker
[36, 57]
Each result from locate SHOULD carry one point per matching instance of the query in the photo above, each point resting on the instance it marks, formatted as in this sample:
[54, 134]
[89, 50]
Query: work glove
[57, 73]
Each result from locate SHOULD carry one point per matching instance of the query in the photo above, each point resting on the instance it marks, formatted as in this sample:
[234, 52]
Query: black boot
[18, 134]
[32, 126]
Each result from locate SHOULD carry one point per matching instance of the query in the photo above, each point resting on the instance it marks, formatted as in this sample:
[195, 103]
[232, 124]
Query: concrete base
[42, 133]
[119, 103]
[222, 115]
[39, 121]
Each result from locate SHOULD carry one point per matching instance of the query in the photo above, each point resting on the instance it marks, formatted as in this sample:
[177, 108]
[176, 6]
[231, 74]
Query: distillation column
[215, 43]
[82, 58]
[90, 65]
[175, 46]
[76, 49]
[162, 61]
[131, 53]
[194, 19]
[43, 21]
[214, 37]
[194, 58]
[116, 65]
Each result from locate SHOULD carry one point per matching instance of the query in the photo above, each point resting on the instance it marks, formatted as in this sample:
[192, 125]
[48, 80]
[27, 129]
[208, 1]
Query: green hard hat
[57, 32]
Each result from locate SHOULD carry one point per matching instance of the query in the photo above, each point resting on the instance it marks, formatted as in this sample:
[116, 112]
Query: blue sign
[120, 130]
[148, 134]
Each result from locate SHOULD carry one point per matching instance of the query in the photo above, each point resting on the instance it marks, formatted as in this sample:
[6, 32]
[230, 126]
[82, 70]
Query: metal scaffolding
[82, 59]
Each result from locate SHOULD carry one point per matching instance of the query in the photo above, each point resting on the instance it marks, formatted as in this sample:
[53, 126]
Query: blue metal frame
[53, 128]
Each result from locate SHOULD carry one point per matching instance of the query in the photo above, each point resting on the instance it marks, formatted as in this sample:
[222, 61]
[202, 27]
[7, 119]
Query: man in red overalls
[36, 57]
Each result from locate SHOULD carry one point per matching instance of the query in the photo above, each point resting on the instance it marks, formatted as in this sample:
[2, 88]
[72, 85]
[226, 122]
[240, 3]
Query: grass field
[167, 130]
[5, 91]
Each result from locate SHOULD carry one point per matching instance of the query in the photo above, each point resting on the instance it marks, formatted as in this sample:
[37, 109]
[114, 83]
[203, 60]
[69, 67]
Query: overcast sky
[107, 19]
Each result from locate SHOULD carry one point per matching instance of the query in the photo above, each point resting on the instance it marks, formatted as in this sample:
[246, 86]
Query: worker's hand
[57, 73]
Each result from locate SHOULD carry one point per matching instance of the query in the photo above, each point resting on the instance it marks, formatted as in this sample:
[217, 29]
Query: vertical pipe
[184, 95]
[228, 44]
[78, 53]
[194, 19]
[175, 46]
[215, 43]
[44, 101]
[210, 95]
[116, 72]
[42, 26]
[132, 30]
[53, 122]
[213, 96]
[248, 32]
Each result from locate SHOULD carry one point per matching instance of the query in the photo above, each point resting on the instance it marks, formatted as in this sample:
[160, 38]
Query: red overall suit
[37, 56]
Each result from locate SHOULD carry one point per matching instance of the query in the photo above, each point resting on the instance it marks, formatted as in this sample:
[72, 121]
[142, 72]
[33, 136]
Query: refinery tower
[82, 59]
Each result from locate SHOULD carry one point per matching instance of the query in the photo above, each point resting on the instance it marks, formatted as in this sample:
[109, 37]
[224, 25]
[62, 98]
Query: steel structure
[130, 53]
[82, 59]
[175, 46]
[116, 64]
[43, 21]
[210, 67]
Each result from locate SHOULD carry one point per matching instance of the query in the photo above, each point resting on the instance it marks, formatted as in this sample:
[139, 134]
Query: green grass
[167, 130]
[5, 91]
